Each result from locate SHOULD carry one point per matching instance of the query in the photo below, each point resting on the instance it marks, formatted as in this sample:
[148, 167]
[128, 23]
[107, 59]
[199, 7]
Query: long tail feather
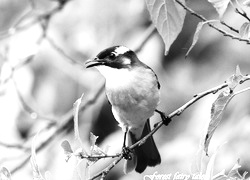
[146, 155]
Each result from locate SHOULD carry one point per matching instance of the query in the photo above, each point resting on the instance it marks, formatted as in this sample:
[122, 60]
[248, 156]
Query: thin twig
[104, 172]
[243, 14]
[38, 19]
[27, 108]
[147, 35]
[61, 51]
[229, 27]
[16, 146]
[241, 91]
[212, 25]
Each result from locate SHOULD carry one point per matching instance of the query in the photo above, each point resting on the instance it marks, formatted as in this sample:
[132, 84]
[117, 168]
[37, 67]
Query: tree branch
[158, 125]
[214, 26]
[147, 35]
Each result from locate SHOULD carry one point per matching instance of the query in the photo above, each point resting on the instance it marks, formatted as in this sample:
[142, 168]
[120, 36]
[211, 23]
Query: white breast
[133, 94]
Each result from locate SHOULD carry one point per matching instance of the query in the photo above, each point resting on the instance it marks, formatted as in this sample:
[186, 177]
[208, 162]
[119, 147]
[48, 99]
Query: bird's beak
[94, 62]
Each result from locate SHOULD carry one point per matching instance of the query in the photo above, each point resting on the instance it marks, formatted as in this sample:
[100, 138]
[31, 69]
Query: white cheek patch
[126, 61]
[121, 50]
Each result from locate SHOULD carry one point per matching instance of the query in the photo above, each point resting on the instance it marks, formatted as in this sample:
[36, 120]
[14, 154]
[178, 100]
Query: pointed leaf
[245, 30]
[66, 146]
[5, 174]
[67, 149]
[36, 172]
[217, 110]
[168, 18]
[220, 176]
[220, 6]
[94, 149]
[76, 112]
[235, 79]
[93, 139]
[210, 167]
[197, 160]
[196, 36]
[234, 171]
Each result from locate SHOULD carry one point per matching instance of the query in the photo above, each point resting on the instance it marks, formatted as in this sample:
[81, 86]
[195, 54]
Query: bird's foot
[166, 120]
[126, 153]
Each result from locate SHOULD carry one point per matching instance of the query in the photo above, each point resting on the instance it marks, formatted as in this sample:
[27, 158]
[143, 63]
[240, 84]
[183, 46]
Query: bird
[133, 90]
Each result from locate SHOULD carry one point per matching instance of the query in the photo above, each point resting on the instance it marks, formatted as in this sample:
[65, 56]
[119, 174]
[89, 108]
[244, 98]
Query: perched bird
[132, 89]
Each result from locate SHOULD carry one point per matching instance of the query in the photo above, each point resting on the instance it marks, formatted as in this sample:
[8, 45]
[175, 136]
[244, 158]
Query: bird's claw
[126, 153]
[166, 120]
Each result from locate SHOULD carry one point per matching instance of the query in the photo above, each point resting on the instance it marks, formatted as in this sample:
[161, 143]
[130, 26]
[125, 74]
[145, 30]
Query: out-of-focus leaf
[93, 139]
[210, 167]
[220, 104]
[5, 174]
[234, 171]
[245, 30]
[168, 18]
[36, 172]
[197, 160]
[235, 79]
[76, 112]
[246, 3]
[48, 175]
[220, 6]
[220, 176]
[217, 109]
[95, 150]
[196, 36]
[67, 149]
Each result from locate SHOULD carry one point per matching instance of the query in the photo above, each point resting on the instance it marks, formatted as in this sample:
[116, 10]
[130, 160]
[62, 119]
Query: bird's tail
[145, 155]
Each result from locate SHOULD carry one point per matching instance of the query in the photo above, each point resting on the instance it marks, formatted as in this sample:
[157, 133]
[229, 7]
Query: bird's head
[118, 57]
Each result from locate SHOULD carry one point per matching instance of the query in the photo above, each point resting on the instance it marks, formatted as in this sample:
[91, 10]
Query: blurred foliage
[50, 83]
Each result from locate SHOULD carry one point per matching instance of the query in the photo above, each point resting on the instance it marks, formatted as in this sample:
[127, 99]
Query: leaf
[48, 175]
[220, 176]
[235, 79]
[76, 112]
[245, 30]
[197, 160]
[217, 110]
[36, 172]
[196, 36]
[5, 174]
[234, 171]
[220, 6]
[95, 150]
[67, 149]
[168, 18]
[210, 167]
[93, 139]
[220, 104]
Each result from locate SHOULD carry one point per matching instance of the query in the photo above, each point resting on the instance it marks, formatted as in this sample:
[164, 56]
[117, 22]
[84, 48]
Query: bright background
[50, 84]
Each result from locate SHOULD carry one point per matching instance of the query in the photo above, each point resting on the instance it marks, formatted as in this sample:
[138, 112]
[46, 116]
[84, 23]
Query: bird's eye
[112, 55]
